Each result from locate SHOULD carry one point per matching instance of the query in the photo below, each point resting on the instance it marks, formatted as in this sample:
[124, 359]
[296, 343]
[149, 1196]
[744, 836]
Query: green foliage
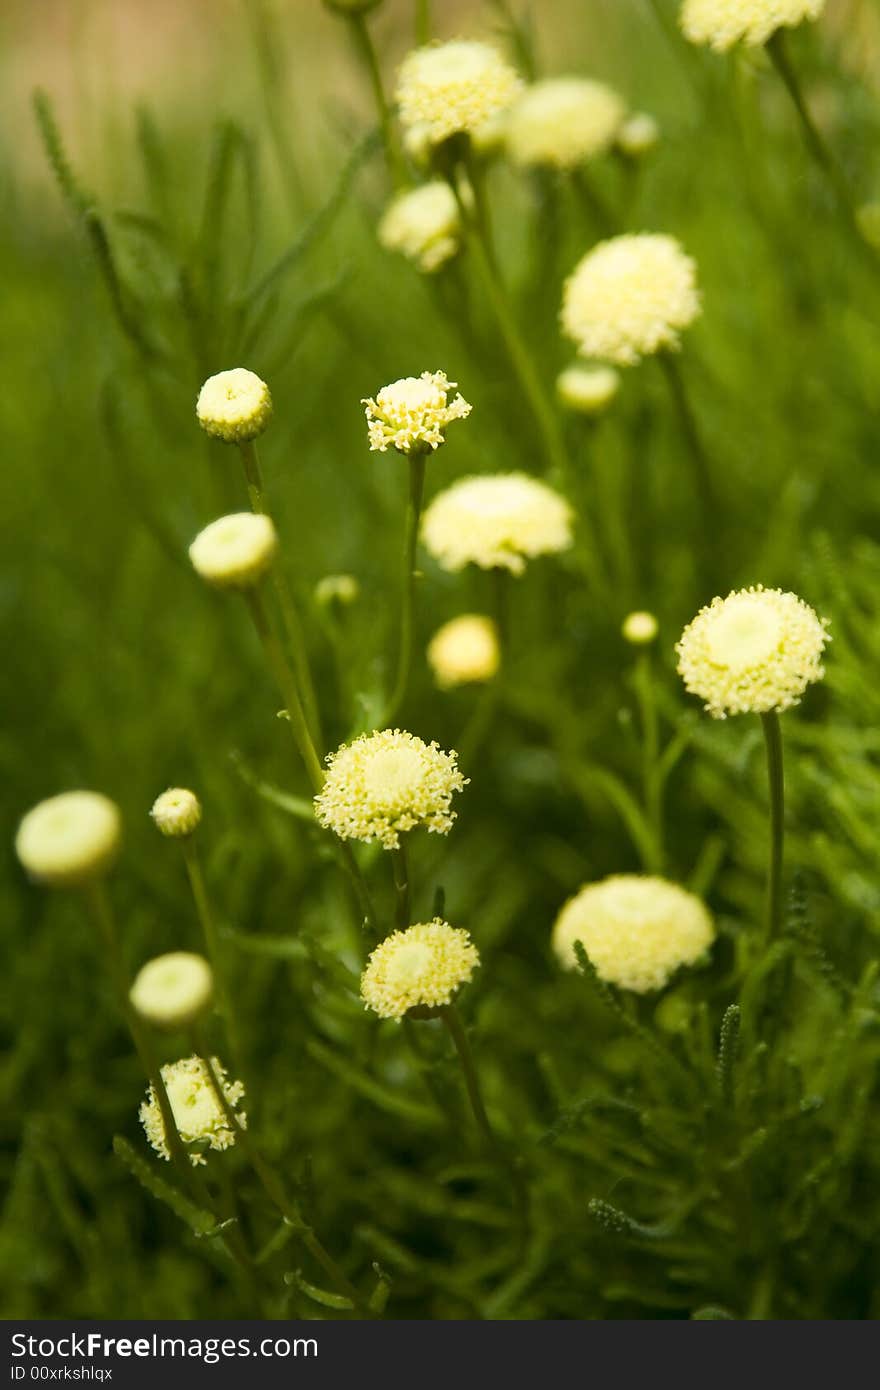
[710, 1153]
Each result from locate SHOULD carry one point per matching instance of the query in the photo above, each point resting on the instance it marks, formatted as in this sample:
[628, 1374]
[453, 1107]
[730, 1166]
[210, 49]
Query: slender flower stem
[289, 615]
[456, 1029]
[423, 21]
[410, 553]
[212, 945]
[400, 866]
[360, 33]
[274, 1188]
[651, 790]
[777, 49]
[776, 778]
[286, 685]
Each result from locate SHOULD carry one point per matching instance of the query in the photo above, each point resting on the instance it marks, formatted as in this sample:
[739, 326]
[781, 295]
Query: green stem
[367, 53]
[400, 866]
[501, 581]
[417, 463]
[423, 22]
[274, 1188]
[651, 784]
[703, 483]
[212, 946]
[286, 685]
[595, 204]
[776, 779]
[289, 615]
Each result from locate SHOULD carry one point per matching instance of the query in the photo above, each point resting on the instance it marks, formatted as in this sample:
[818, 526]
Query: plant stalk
[776, 779]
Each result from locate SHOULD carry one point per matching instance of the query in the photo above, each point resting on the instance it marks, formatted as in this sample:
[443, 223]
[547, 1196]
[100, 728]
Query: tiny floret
[411, 414]
[70, 839]
[636, 930]
[386, 783]
[177, 811]
[235, 551]
[587, 390]
[424, 225]
[562, 122]
[235, 406]
[464, 650]
[755, 651]
[496, 520]
[638, 135]
[451, 88]
[420, 968]
[722, 23]
[201, 1120]
[337, 588]
[174, 990]
[640, 628]
[630, 297]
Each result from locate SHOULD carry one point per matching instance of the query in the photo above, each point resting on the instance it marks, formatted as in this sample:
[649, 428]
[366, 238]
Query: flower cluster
[463, 650]
[423, 224]
[497, 520]
[630, 297]
[722, 23]
[235, 551]
[176, 812]
[450, 88]
[200, 1118]
[174, 990]
[420, 968]
[69, 839]
[587, 390]
[411, 414]
[755, 651]
[562, 122]
[637, 931]
[235, 406]
[386, 783]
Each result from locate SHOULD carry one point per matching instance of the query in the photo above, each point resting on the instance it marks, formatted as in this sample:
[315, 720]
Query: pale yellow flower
[385, 784]
[587, 390]
[496, 520]
[639, 628]
[200, 1118]
[636, 930]
[420, 968]
[235, 551]
[638, 135]
[410, 415]
[69, 839]
[423, 224]
[173, 990]
[755, 651]
[447, 88]
[177, 812]
[722, 23]
[235, 406]
[563, 121]
[463, 650]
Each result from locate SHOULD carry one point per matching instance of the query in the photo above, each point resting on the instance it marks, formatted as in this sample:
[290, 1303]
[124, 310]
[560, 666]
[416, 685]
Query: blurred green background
[123, 673]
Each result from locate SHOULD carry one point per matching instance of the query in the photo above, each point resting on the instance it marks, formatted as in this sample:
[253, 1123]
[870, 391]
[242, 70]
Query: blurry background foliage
[218, 207]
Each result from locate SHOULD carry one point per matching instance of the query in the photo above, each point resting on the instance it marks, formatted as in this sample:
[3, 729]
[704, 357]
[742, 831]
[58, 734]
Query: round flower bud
[235, 551]
[172, 991]
[235, 406]
[449, 88]
[411, 414]
[496, 520]
[630, 297]
[588, 390]
[200, 1118]
[420, 968]
[755, 651]
[639, 628]
[424, 225]
[177, 811]
[638, 135]
[386, 783]
[562, 122]
[337, 588]
[722, 23]
[464, 650]
[636, 930]
[70, 839]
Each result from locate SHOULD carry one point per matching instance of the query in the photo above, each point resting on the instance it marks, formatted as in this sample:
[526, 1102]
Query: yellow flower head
[447, 88]
[421, 967]
[463, 650]
[337, 588]
[562, 122]
[722, 23]
[588, 390]
[639, 628]
[636, 930]
[235, 551]
[412, 413]
[629, 297]
[424, 225]
[235, 406]
[756, 650]
[198, 1114]
[177, 811]
[638, 135]
[174, 990]
[386, 783]
[69, 839]
[496, 520]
